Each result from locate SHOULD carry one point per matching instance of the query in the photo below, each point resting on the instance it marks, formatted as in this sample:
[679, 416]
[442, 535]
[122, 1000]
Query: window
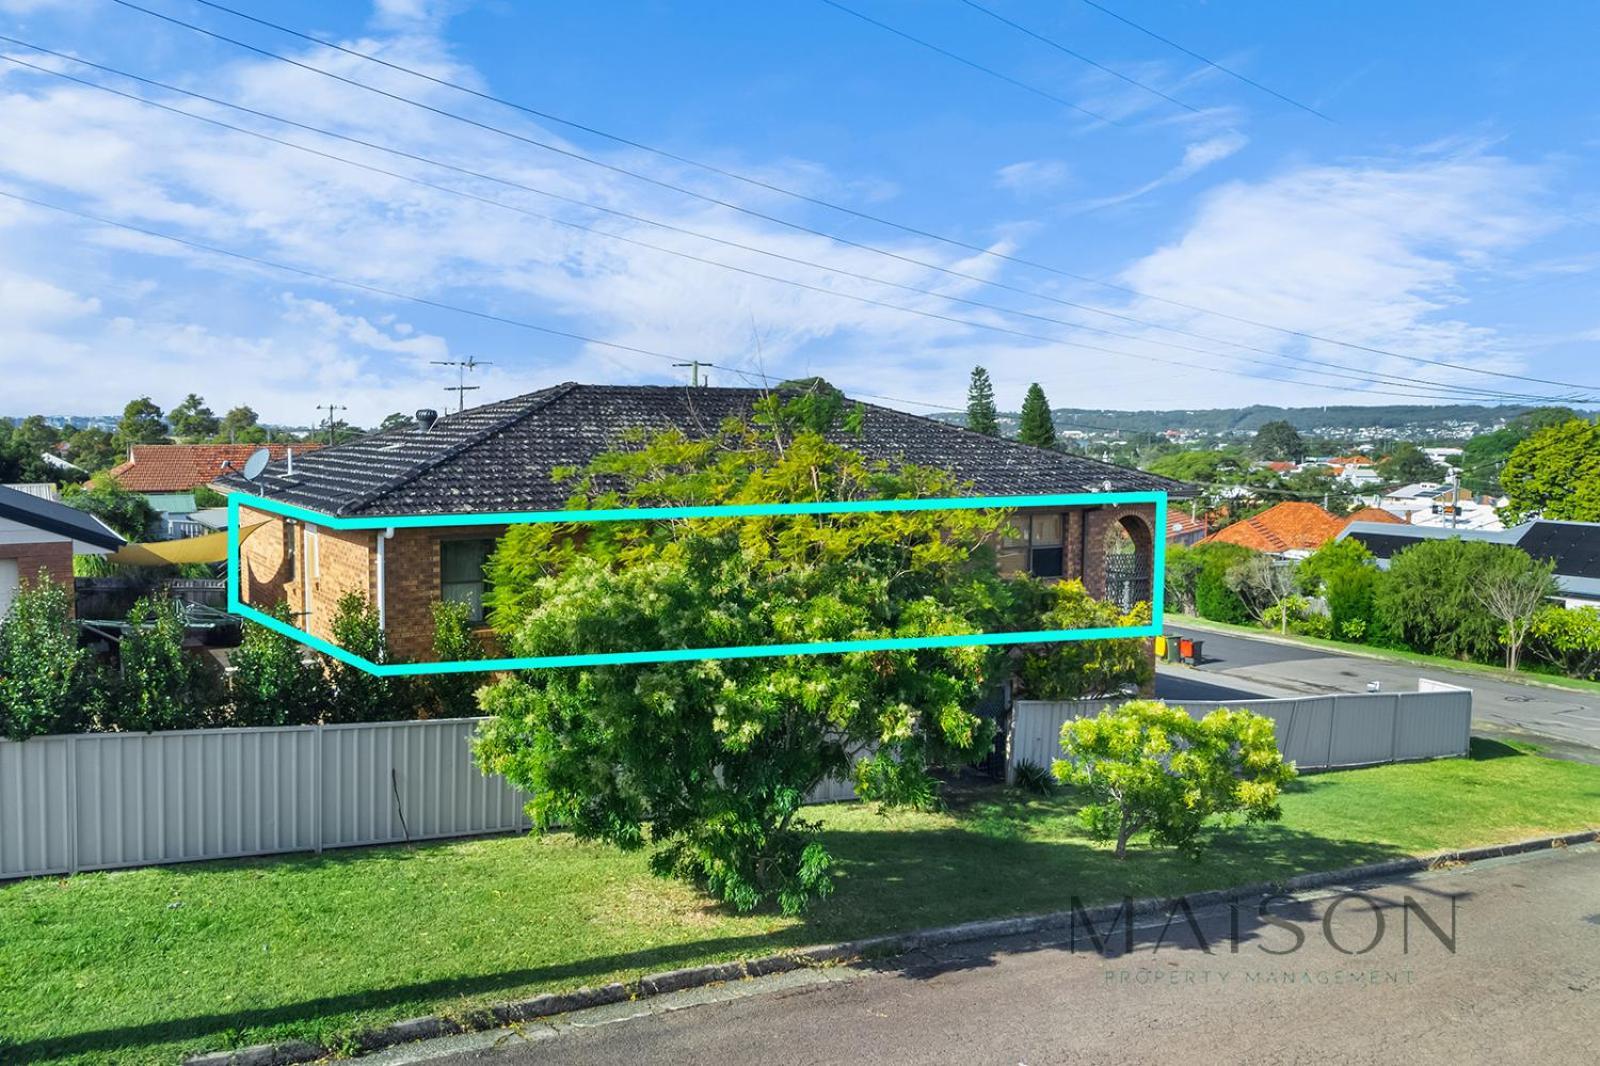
[461, 577]
[1044, 553]
[1037, 548]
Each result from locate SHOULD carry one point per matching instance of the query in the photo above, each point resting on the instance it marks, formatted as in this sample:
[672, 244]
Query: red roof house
[1285, 527]
[181, 467]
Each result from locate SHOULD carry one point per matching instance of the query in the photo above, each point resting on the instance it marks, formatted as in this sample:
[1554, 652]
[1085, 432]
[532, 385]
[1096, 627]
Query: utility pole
[332, 421]
[1455, 495]
[694, 366]
[460, 388]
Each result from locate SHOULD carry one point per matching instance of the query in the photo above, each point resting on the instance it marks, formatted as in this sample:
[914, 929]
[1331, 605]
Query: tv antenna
[333, 423]
[463, 368]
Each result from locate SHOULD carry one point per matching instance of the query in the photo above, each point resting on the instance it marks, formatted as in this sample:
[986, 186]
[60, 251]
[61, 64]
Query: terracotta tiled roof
[1182, 524]
[1285, 527]
[1374, 514]
[180, 467]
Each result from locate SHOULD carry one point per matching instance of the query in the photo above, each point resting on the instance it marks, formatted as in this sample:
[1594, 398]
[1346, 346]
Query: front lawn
[144, 965]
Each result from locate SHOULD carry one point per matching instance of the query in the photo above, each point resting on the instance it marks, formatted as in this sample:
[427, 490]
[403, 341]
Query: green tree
[1428, 599]
[129, 513]
[161, 685]
[192, 419]
[1484, 455]
[275, 679]
[141, 423]
[237, 423]
[93, 449]
[1150, 768]
[981, 415]
[1279, 441]
[1213, 597]
[359, 695]
[1407, 464]
[1037, 427]
[1079, 669]
[398, 420]
[1345, 574]
[1555, 474]
[48, 684]
[454, 640]
[709, 762]
[1201, 467]
[1512, 592]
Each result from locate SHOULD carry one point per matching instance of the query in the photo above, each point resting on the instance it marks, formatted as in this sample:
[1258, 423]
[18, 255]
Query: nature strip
[550, 1004]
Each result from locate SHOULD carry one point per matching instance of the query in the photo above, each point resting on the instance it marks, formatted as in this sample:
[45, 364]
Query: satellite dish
[257, 462]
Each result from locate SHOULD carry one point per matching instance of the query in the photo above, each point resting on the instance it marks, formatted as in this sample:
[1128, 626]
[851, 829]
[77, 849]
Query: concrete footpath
[1492, 962]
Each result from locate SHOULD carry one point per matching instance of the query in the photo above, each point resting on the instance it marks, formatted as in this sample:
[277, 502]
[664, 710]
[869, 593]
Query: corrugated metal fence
[101, 800]
[1315, 732]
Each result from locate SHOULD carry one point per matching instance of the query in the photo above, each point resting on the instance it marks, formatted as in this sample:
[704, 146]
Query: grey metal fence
[103, 800]
[1315, 732]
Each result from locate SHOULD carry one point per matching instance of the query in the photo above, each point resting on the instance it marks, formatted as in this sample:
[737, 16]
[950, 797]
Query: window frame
[475, 607]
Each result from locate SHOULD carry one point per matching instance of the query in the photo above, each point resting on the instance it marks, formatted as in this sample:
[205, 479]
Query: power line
[1364, 377]
[1058, 46]
[1008, 79]
[1305, 335]
[1208, 62]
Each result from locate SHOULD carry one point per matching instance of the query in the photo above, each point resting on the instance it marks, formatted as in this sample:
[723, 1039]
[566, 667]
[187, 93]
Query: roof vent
[426, 417]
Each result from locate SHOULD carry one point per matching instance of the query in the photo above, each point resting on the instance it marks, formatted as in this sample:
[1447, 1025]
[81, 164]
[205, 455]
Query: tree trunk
[1124, 831]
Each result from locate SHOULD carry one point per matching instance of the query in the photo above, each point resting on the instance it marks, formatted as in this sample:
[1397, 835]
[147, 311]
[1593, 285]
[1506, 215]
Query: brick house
[499, 458]
[40, 534]
[155, 469]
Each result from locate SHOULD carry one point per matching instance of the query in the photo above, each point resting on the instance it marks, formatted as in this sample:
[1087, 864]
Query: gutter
[383, 538]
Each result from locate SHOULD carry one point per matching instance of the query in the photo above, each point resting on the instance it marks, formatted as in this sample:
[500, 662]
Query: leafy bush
[454, 640]
[1031, 777]
[161, 685]
[1150, 768]
[1345, 574]
[359, 696]
[1213, 597]
[276, 680]
[709, 762]
[1075, 669]
[1296, 614]
[1428, 600]
[1569, 638]
[48, 684]
[127, 512]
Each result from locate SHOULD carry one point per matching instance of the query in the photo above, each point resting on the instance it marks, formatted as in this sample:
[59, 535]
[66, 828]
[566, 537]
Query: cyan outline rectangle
[239, 500]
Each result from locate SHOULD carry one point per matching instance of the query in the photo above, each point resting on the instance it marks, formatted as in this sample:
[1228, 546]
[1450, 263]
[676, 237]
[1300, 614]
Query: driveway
[1514, 977]
[1566, 721]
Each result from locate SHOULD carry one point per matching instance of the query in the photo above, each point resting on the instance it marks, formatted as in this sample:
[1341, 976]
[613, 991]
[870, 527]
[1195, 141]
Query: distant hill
[1400, 420]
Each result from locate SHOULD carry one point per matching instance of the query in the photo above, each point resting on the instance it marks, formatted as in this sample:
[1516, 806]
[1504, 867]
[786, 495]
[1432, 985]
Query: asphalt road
[1566, 720]
[1521, 984]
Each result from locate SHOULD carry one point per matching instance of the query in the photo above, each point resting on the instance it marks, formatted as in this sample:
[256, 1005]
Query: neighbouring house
[166, 475]
[154, 469]
[1455, 508]
[1574, 547]
[45, 490]
[1418, 496]
[1184, 530]
[1291, 529]
[1356, 471]
[499, 458]
[39, 534]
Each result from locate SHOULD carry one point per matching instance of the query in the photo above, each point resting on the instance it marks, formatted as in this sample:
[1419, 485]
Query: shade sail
[211, 548]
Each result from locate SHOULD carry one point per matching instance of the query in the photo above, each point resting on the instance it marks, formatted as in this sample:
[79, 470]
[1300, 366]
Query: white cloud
[1196, 157]
[1033, 175]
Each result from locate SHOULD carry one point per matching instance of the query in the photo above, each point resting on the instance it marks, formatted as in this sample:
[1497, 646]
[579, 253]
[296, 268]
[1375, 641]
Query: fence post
[72, 803]
[316, 787]
[1394, 730]
[1333, 718]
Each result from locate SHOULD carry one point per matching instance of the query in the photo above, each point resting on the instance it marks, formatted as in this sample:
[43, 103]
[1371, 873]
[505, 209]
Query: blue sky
[1447, 211]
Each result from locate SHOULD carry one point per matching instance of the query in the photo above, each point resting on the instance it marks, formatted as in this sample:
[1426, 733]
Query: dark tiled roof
[1574, 547]
[57, 518]
[498, 457]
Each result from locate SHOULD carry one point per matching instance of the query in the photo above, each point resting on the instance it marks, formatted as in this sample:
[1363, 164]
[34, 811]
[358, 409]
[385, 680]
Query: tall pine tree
[1038, 428]
[981, 417]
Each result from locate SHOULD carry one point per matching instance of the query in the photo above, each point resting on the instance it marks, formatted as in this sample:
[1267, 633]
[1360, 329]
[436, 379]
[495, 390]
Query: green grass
[145, 965]
[1531, 677]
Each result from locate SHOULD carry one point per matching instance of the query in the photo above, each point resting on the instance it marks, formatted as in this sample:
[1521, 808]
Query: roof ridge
[366, 499]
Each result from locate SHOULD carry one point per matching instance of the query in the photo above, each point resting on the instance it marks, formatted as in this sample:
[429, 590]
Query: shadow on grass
[1482, 748]
[1006, 855]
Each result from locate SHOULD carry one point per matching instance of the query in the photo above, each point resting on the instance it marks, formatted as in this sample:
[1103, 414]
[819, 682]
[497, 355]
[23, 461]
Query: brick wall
[53, 557]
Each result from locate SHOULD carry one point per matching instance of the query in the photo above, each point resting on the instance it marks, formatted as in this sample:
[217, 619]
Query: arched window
[1130, 562]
